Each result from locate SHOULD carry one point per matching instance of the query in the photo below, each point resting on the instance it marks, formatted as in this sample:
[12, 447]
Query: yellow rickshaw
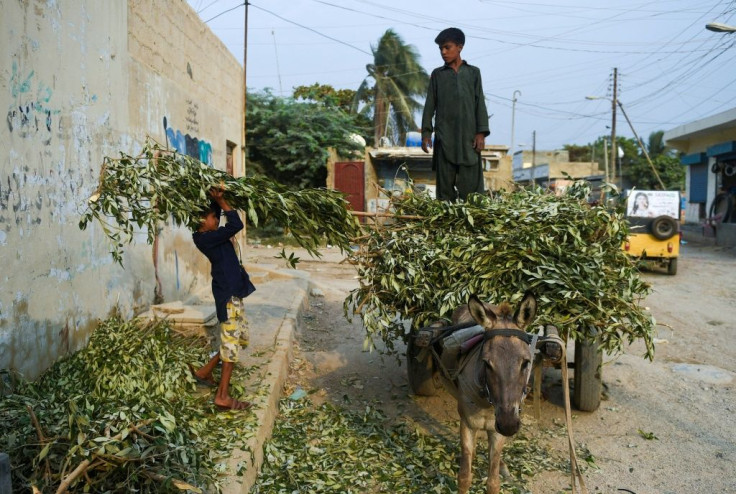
[654, 219]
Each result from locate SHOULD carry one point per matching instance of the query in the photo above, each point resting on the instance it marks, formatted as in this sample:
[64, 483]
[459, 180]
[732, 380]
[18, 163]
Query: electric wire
[679, 68]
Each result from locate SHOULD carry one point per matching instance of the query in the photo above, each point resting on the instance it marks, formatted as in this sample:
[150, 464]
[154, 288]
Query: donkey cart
[424, 365]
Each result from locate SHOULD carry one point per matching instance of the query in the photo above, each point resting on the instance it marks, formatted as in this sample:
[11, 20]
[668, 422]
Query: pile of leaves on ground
[434, 255]
[332, 449]
[145, 191]
[121, 415]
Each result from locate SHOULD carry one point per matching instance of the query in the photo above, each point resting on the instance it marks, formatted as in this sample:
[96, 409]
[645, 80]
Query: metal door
[349, 179]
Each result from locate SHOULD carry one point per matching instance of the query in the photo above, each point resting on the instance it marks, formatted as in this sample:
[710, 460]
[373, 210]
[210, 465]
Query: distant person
[641, 205]
[230, 284]
[455, 99]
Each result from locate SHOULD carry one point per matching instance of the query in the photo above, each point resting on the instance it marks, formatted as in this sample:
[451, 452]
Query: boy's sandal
[235, 405]
[203, 381]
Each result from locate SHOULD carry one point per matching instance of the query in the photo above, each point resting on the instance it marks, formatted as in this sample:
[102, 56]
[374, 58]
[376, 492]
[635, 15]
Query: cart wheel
[672, 267]
[587, 382]
[423, 376]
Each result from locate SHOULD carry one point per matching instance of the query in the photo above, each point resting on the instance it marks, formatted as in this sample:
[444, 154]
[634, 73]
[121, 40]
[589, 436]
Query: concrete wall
[186, 89]
[73, 93]
[574, 169]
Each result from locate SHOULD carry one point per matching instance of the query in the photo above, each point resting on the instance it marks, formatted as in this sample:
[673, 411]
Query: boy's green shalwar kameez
[457, 103]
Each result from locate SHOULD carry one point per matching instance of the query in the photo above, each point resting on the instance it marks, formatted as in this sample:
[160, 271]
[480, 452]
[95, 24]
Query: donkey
[491, 382]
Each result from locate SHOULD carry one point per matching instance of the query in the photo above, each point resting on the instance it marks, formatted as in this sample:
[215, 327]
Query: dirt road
[664, 427]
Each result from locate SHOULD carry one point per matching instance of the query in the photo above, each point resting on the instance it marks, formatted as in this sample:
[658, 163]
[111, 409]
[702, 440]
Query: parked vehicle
[654, 218]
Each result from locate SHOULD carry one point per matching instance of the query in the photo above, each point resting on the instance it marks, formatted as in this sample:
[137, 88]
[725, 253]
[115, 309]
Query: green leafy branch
[140, 193]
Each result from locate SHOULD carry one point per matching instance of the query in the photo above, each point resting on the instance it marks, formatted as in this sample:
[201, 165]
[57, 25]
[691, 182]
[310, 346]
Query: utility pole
[642, 146]
[245, 82]
[614, 147]
[278, 69]
[534, 156]
[513, 117]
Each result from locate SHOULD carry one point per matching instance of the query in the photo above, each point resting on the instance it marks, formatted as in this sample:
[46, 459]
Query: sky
[548, 54]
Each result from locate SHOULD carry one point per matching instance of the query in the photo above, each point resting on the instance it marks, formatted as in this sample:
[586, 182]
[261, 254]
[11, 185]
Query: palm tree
[656, 144]
[394, 79]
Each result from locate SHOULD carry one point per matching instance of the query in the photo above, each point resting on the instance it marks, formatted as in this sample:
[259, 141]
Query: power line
[225, 12]
[310, 29]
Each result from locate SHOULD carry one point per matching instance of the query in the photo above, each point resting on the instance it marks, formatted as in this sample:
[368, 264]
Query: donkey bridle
[528, 338]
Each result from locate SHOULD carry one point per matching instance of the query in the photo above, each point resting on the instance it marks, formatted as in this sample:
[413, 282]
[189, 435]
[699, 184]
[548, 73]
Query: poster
[653, 203]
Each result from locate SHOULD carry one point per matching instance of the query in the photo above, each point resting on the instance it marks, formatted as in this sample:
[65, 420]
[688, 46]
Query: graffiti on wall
[191, 119]
[186, 144]
[30, 114]
[29, 197]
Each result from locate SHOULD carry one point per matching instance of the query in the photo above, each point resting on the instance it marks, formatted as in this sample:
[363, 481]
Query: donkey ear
[526, 311]
[480, 313]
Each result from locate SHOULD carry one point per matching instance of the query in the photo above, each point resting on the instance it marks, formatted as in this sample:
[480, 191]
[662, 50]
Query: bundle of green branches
[120, 415]
[146, 190]
[434, 255]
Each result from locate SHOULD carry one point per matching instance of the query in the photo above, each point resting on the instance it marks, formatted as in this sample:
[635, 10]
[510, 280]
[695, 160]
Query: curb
[266, 409]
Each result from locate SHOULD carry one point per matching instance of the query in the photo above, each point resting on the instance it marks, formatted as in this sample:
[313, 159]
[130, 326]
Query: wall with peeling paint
[79, 81]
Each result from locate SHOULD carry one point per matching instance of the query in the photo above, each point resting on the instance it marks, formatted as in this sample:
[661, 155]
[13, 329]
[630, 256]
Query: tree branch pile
[565, 251]
[158, 185]
[120, 415]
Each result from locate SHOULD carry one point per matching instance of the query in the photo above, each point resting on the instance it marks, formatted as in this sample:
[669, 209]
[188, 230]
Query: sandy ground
[685, 398]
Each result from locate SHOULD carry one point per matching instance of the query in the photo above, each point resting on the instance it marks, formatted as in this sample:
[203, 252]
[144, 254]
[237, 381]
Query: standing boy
[230, 284]
[455, 100]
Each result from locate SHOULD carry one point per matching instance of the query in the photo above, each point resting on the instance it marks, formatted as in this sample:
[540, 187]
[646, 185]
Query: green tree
[326, 94]
[638, 172]
[394, 80]
[656, 145]
[288, 140]
[578, 153]
[340, 99]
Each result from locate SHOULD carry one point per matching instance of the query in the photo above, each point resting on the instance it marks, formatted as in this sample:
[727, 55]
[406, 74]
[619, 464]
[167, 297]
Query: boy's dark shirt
[228, 279]
[457, 103]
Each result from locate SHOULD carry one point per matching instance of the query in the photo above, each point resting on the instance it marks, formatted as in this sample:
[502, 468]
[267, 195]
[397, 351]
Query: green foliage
[649, 436]
[577, 153]
[566, 252]
[145, 191]
[329, 449]
[638, 171]
[288, 141]
[341, 99]
[126, 404]
[397, 79]
[655, 145]
[327, 95]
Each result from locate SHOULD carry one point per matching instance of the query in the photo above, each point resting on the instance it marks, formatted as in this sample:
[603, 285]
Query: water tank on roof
[413, 139]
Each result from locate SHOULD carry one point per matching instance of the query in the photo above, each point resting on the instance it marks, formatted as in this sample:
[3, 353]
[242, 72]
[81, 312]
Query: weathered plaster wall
[63, 91]
[76, 86]
[186, 90]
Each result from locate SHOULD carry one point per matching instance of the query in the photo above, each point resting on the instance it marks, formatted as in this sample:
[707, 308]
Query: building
[545, 168]
[708, 148]
[497, 170]
[382, 171]
[80, 81]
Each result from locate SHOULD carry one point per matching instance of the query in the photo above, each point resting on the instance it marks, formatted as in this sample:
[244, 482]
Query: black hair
[636, 206]
[196, 221]
[212, 207]
[450, 34]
